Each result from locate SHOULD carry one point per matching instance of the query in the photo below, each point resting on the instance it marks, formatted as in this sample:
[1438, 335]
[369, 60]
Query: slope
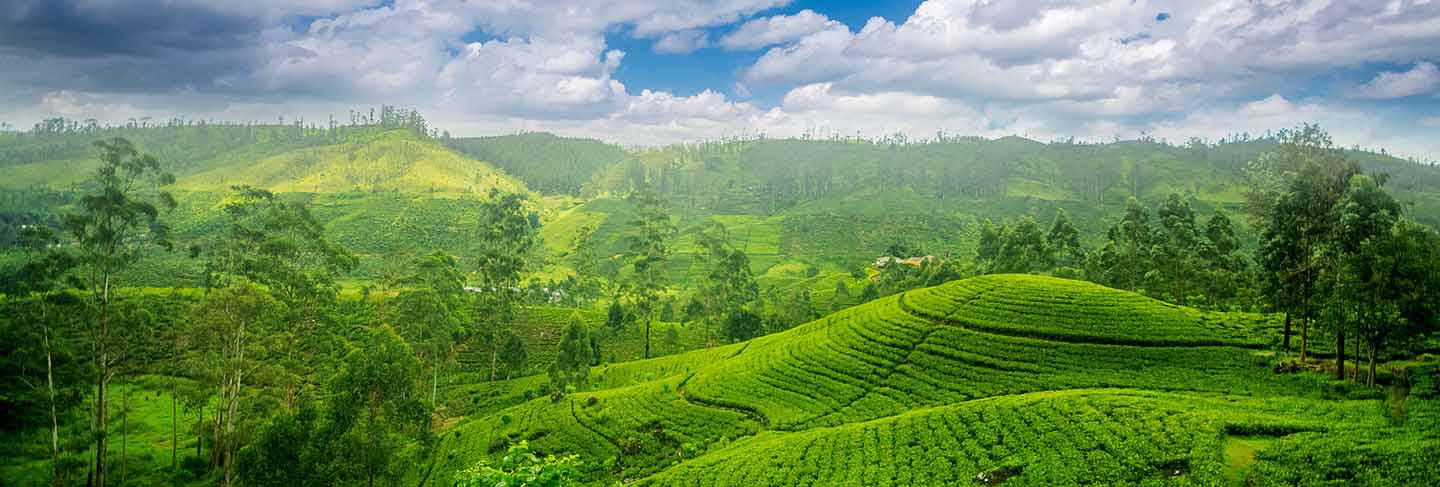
[392, 161]
[991, 357]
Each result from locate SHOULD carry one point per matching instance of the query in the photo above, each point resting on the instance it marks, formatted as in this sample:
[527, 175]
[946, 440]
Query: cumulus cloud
[779, 29]
[1422, 79]
[565, 78]
[682, 42]
[1085, 68]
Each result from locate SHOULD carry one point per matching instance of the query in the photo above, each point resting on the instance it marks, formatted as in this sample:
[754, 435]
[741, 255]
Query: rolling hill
[1020, 380]
[828, 204]
[394, 161]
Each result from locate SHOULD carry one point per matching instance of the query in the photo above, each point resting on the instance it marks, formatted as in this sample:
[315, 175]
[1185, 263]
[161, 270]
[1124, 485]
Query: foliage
[572, 364]
[520, 467]
[646, 254]
[505, 239]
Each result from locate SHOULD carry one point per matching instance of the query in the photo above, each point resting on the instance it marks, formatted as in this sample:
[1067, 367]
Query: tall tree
[648, 255]
[513, 355]
[841, 297]
[1022, 248]
[728, 283]
[1063, 241]
[505, 239]
[1225, 269]
[427, 309]
[1127, 253]
[1295, 189]
[1373, 261]
[227, 323]
[40, 282]
[376, 404]
[572, 363]
[279, 245]
[990, 242]
[112, 225]
[1178, 249]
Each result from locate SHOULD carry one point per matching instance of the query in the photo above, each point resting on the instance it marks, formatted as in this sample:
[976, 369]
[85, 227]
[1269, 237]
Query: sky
[646, 72]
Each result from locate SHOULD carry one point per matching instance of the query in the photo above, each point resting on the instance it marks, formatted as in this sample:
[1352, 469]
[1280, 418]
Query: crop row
[1061, 438]
[878, 360]
[1066, 310]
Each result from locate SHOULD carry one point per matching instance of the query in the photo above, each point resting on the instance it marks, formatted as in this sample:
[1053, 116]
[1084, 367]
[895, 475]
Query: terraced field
[1015, 380]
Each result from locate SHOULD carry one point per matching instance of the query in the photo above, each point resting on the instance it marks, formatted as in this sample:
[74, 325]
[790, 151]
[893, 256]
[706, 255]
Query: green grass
[1240, 456]
[140, 423]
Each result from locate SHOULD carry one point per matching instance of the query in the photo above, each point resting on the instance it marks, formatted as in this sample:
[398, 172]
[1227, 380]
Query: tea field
[1004, 379]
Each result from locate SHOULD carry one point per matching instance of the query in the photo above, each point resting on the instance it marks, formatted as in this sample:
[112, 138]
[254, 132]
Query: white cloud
[1422, 79]
[1274, 104]
[816, 57]
[779, 29]
[554, 77]
[1048, 68]
[682, 42]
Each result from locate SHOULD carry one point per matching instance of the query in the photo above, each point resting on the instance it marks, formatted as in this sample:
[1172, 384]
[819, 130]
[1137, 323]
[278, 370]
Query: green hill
[829, 204]
[1026, 380]
[393, 161]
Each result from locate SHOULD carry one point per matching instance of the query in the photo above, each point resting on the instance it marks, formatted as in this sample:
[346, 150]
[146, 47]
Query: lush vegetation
[377, 302]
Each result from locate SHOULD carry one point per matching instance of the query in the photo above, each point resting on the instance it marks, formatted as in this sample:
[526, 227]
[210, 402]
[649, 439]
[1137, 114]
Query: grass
[140, 423]
[1240, 456]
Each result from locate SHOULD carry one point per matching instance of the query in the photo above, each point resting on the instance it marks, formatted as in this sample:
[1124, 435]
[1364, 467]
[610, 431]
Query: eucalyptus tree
[427, 310]
[1178, 249]
[232, 324]
[375, 408]
[1294, 192]
[279, 245]
[112, 225]
[40, 280]
[505, 240]
[728, 285]
[1062, 242]
[572, 363]
[648, 255]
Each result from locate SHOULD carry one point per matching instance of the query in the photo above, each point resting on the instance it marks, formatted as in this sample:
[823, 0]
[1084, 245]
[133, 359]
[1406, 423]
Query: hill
[1016, 379]
[393, 161]
[831, 205]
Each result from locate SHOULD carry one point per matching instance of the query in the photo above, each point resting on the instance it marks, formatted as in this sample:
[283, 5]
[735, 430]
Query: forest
[374, 301]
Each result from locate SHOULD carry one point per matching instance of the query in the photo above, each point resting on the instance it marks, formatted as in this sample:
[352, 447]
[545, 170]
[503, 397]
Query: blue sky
[645, 72]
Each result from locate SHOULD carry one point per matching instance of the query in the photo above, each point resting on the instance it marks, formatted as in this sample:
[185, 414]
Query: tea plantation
[1002, 379]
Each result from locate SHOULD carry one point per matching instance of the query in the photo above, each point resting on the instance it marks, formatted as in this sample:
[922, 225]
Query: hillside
[833, 205]
[393, 161]
[1016, 379]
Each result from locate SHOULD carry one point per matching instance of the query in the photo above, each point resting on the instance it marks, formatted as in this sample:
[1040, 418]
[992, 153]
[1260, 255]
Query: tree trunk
[54, 421]
[233, 406]
[124, 435]
[1340, 352]
[1304, 338]
[102, 416]
[1287, 332]
[200, 433]
[174, 426]
[647, 337]
[494, 354]
[1371, 380]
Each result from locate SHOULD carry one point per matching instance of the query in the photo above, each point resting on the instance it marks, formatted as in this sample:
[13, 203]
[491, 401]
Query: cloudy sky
[648, 72]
